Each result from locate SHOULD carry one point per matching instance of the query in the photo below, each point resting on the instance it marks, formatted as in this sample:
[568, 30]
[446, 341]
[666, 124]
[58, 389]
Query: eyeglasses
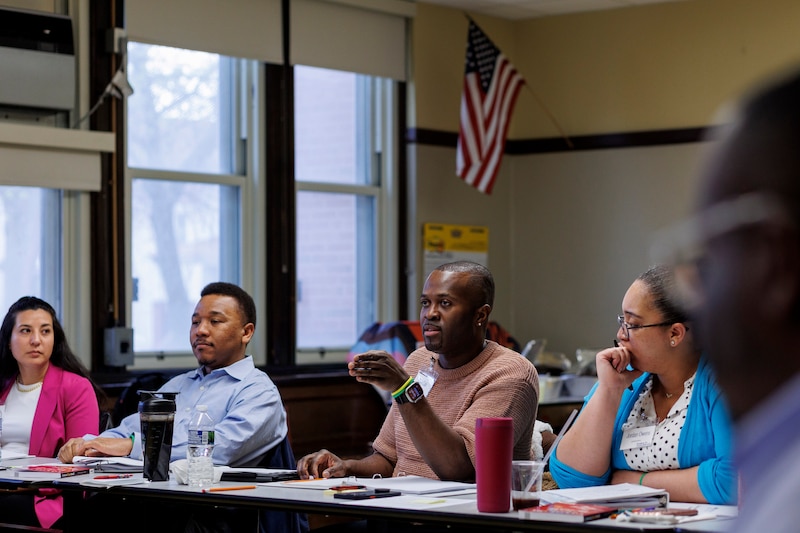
[684, 245]
[626, 328]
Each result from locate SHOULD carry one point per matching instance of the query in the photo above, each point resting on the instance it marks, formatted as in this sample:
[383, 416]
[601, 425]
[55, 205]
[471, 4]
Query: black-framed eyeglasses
[626, 328]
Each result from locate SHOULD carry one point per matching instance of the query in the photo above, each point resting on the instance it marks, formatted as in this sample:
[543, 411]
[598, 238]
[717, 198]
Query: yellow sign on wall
[444, 243]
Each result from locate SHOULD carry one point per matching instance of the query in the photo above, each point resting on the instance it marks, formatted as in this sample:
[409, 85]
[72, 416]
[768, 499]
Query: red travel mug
[493, 453]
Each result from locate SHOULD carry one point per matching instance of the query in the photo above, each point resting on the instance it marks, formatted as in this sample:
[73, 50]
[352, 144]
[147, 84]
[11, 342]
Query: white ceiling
[526, 9]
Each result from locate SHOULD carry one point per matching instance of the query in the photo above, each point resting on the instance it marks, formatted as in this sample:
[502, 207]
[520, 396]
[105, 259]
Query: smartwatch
[412, 394]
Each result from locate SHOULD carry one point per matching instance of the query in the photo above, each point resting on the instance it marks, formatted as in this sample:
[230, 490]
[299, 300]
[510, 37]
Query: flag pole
[552, 118]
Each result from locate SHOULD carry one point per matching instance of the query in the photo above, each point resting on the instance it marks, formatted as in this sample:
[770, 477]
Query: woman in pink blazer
[47, 398]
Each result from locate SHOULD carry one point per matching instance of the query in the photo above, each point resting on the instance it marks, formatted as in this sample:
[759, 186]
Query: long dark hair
[62, 355]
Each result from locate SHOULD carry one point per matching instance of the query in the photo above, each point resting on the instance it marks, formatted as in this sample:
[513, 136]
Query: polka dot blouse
[663, 453]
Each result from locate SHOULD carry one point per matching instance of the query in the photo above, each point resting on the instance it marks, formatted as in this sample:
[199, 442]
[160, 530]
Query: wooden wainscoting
[335, 412]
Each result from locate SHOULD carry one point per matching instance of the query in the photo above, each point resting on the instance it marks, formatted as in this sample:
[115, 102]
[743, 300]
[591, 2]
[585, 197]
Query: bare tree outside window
[179, 126]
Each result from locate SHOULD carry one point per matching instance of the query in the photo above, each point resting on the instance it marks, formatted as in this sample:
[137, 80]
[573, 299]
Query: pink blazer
[67, 408]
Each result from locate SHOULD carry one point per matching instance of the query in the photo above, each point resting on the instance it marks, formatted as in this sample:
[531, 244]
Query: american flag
[491, 86]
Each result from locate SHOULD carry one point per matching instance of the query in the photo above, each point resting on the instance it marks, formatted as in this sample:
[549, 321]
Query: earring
[479, 324]
[672, 343]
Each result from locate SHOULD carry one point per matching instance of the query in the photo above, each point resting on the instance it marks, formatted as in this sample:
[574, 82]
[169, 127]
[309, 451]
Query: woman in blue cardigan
[656, 416]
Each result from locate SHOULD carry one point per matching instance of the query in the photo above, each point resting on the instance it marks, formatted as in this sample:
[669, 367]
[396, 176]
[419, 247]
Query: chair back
[281, 457]
[128, 401]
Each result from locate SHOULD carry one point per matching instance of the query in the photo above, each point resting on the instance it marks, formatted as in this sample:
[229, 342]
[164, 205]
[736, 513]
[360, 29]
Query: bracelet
[642, 478]
[132, 436]
[403, 387]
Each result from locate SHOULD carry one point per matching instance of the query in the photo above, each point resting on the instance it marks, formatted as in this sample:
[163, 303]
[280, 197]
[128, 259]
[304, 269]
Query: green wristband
[403, 387]
[642, 478]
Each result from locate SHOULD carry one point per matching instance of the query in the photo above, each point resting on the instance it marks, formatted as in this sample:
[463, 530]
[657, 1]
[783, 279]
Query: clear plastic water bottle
[200, 448]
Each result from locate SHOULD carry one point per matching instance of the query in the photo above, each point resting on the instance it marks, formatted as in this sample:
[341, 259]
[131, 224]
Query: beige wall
[570, 231]
[582, 225]
[440, 200]
[650, 67]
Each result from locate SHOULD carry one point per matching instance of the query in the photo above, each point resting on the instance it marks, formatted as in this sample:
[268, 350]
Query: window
[30, 245]
[344, 175]
[195, 216]
[187, 162]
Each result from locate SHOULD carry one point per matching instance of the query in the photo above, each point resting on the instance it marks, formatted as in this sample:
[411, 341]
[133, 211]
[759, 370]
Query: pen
[220, 489]
[115, 476]
[348, 487]
[616, 345]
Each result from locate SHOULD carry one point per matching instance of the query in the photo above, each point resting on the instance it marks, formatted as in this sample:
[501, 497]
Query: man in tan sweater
[442, 389]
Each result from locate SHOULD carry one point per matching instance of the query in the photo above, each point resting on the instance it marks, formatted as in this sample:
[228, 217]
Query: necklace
[27, 388]
[667, 395]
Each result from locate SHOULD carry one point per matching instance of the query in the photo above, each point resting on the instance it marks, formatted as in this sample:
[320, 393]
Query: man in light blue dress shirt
[249, 416]
[243, 401]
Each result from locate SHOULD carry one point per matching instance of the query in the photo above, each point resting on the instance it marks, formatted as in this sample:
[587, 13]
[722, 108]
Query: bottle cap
[157, 402]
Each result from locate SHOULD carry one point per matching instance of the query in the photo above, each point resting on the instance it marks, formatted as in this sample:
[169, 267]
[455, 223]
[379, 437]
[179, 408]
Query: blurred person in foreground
[656, 416]
[740, 260]
[442, 389]
[47, 397]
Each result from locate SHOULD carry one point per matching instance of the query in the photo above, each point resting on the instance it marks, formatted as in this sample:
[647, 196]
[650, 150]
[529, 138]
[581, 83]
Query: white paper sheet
[10, 456]
[410, 501]
[621, 491]
[404, 484]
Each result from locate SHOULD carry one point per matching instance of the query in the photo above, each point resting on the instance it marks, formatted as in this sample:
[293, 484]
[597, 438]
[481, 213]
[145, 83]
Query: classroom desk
[459, 517]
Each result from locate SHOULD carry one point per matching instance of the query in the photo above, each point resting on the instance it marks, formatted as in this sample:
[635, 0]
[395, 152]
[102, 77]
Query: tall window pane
[335, 283]
[337, 223]
[327, 125]
[185, 211]
[30, 245]
[179, 109]
[177, 239]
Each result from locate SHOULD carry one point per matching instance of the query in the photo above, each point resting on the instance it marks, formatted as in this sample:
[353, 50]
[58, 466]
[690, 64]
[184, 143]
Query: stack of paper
[10, 456]
[621, 496]
[404, 484]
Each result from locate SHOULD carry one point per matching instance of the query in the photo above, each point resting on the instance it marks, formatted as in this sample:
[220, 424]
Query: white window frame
[385, 165]
[250, 125]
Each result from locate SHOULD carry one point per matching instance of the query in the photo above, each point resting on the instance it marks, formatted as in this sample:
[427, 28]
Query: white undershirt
[18, 419]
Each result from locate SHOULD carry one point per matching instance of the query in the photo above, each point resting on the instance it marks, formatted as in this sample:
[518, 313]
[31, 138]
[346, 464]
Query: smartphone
[367, 494]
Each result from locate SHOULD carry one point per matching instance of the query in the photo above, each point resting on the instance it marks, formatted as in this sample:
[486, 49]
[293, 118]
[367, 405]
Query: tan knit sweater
[499, 382]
